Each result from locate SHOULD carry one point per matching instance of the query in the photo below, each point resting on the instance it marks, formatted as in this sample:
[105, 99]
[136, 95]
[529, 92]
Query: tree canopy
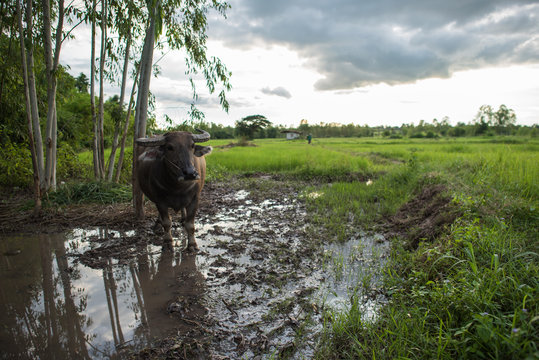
[249, 125]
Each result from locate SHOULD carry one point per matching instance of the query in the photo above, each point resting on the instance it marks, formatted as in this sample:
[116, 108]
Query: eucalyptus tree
[186, 24]
[51, 15]
[52, 60]
[37, 168]
[95, 141]
[127, 18]
[101, 111]
[27, 38]
[122, 18]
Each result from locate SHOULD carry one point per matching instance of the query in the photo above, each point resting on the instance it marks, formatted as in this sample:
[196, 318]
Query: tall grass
[470, 294]
[473, 298]
[90, 192]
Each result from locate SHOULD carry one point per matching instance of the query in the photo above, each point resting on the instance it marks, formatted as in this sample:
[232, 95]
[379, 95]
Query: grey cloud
[278, 91]
[356, 43]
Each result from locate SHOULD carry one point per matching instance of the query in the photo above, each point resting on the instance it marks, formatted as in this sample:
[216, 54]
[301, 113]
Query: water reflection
[54, 307]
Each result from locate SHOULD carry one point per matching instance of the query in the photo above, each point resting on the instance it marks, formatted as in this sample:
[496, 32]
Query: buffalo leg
[157, 226]
[164, 218]
[189, 225]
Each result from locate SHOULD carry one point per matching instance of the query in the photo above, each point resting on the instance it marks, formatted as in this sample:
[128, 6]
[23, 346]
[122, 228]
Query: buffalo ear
[202, 150]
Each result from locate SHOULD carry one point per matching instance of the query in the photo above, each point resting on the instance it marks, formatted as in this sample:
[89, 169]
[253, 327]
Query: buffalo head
[179, 150]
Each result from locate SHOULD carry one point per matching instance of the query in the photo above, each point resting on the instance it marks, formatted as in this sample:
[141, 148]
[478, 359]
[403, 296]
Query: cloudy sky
[383, 62]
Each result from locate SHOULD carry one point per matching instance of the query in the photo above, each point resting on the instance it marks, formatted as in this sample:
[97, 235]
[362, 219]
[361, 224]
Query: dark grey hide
[171, 173]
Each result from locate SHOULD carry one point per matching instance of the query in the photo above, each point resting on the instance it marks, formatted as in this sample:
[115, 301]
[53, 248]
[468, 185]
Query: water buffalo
[171, 174]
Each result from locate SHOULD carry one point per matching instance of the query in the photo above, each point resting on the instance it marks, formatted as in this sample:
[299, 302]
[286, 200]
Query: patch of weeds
[27, 205]
[338, 267]
[216, 172]
[456, 148]
[366, 281]
[340, 208]
[90, 192]
[524, 217]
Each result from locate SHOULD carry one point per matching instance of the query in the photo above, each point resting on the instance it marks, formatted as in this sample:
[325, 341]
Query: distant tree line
[487, 122]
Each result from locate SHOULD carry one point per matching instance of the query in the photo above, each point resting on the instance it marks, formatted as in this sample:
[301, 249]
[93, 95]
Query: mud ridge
[424, 217]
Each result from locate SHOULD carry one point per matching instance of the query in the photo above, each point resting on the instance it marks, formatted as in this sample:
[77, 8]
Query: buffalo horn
[153, 141]
[203, 136]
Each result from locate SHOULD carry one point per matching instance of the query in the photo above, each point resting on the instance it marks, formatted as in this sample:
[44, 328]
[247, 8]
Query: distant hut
[291, 134]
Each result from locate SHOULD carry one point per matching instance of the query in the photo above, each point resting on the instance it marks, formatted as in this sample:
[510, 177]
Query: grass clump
[342, 207]
[90, 192]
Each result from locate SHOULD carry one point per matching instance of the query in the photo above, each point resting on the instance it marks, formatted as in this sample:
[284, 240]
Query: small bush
[68, 165]
[15, 165]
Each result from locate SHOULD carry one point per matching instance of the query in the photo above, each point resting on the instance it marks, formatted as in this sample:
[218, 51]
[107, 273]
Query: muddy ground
[263, 275]
[247, 293]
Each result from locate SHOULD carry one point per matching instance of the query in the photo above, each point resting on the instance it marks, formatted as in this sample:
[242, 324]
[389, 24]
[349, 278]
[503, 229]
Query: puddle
[53, 306]
[353, 270]
[260, 276]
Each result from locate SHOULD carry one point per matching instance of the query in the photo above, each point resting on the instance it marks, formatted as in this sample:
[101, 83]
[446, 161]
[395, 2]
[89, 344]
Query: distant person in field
[309, 138]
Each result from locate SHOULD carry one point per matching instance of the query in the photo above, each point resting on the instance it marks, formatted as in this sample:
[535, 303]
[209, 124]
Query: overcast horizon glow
[383, 63]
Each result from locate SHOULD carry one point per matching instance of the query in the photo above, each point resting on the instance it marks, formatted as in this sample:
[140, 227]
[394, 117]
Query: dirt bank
[424, 217]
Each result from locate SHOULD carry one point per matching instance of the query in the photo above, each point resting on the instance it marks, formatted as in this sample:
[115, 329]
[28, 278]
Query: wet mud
[257, 288]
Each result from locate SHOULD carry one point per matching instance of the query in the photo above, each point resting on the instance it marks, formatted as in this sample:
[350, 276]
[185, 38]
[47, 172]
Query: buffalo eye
[192, 145]
[170, 148]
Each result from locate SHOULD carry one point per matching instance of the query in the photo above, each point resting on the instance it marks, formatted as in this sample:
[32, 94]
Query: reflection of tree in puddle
[45, 324]
[154, 284]
[52, 307]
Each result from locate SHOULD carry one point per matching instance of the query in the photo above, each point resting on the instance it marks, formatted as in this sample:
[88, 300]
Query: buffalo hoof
[192, 248]
[157, 227]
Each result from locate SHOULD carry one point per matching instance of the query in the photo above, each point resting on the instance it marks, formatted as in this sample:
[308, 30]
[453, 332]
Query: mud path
[257, 288]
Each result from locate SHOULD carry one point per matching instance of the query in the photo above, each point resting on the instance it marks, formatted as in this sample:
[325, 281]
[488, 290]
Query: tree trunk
[125, 73]
[102, 56]
[33, 96]
[126, 126]
[51, 64]
[95, 140]
[37, 193]
[141, 112]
